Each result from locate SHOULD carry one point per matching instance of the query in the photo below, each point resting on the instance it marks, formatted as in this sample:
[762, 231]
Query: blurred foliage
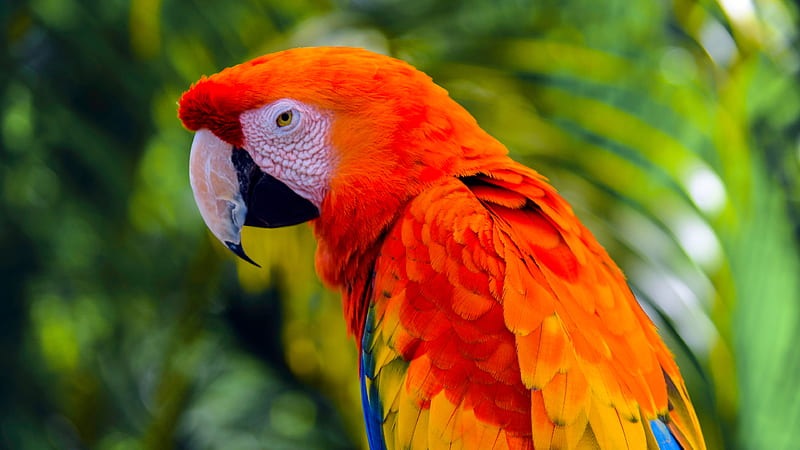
[672, 127]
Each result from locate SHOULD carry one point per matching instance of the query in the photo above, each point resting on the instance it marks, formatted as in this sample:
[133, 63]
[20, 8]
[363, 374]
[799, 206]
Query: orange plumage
[487, 315]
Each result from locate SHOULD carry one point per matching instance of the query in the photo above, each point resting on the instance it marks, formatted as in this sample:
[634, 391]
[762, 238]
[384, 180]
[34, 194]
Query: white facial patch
[290, 140]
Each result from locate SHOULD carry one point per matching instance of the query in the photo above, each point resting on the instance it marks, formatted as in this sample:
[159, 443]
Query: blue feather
[370, 401]
[663, 436]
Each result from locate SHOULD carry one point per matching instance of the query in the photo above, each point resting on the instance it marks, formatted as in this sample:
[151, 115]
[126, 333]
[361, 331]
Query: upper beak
[231, 191]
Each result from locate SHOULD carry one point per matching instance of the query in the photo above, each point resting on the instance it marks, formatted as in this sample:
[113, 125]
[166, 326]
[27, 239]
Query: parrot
[485, 314]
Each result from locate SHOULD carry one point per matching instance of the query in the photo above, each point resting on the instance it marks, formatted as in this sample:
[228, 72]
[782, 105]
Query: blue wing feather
[663, 436]
[370, 400]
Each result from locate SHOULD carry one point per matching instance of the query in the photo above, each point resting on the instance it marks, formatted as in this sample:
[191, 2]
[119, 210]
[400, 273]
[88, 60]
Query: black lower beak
[270, 203]
[239, 251]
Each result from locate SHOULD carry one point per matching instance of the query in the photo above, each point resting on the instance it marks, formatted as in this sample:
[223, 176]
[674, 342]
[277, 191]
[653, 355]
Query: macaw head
[335, 134]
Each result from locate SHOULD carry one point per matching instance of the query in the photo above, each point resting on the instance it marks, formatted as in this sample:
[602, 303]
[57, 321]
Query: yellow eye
[284, 119]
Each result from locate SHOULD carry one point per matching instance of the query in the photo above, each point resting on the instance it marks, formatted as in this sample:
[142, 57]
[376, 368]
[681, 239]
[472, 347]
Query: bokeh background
[672, 126]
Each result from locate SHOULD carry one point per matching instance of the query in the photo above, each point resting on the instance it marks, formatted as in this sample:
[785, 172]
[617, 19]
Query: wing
[498, 322]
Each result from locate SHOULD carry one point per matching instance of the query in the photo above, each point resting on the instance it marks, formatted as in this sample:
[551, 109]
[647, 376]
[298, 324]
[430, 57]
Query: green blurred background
[673, 127]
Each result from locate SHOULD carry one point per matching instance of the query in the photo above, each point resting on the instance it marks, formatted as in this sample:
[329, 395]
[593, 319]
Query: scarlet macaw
[486, 315]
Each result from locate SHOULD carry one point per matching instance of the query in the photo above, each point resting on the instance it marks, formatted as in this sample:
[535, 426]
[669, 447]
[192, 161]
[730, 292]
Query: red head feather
[331, 78]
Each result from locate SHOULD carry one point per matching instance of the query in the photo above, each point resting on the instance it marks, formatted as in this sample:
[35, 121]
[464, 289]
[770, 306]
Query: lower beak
[231, 191]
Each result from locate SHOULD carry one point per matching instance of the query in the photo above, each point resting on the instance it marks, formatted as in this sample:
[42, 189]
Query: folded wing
[497, 321]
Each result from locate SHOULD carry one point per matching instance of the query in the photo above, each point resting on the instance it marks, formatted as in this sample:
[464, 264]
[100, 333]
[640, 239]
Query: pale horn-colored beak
[215, 183]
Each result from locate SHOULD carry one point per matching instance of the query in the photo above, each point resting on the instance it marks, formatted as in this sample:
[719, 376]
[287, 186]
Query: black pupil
[285, 117]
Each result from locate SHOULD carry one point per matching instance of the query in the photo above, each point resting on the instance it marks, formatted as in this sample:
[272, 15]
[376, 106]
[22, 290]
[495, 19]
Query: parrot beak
[231, 191]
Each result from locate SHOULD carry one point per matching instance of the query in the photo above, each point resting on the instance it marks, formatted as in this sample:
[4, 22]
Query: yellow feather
[575, 430]
[420, 437]
[588, 441]
[390, 382]
[389, 427]
[559, 438]
[565, 397]
[383, 355]
[634, 432]
[606, 426]
[440, 429]
[411, 431]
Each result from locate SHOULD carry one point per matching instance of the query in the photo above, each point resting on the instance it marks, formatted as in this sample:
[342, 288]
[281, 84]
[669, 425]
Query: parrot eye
[284, 119]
